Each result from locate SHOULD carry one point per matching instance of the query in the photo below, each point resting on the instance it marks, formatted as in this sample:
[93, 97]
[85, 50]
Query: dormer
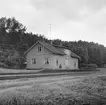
[67, 52]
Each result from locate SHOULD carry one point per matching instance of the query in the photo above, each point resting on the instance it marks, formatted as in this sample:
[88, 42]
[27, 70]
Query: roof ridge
[48, 46]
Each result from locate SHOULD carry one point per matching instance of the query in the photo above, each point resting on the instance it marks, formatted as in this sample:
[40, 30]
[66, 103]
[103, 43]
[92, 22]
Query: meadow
[56, 90]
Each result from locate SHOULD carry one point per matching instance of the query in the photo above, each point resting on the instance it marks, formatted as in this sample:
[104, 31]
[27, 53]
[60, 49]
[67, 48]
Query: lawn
[4, 71]
[18, 71]
[8, 74]
[13, 71]
[60, 90]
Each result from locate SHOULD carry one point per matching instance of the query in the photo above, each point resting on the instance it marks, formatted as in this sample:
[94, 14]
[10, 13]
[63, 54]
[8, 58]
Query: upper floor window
[46, 61]
[33, 61]
[39, 49]
[67, 58]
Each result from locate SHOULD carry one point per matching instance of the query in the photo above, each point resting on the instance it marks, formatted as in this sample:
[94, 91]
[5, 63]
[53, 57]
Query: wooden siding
[45, 53]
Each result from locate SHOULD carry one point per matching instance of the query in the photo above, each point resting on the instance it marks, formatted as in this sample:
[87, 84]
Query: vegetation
[89, 66]
[13, 35]
[65, 91]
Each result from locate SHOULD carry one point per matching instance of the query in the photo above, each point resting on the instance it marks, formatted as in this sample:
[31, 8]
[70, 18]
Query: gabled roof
[75, 55]
[48, 46]
[61, 48]
[53, 49]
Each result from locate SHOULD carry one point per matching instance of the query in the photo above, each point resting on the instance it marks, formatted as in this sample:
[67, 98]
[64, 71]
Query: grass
[54, 91]
[23, 71]
[8, 74]
[12, 71]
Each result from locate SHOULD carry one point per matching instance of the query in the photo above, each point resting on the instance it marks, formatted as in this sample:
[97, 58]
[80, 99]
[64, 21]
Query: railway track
[36, 75]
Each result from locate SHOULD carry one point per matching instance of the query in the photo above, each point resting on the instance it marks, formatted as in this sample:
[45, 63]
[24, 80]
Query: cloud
[69, 9]
[70, 19]
[20, 9]
[73, 19]
[97, 21]
[61, 7]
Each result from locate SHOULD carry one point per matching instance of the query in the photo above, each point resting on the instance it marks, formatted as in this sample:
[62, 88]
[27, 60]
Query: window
[67, 58]
[46, 61]
[39, 49]
[75, 64]
[57, 62]
[33, 61]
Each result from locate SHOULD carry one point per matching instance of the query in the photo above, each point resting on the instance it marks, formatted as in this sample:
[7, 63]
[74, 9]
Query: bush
[3, 64]
[9, 62]
[2, 59]
[15, 62]
[20, 62]
[89, 66]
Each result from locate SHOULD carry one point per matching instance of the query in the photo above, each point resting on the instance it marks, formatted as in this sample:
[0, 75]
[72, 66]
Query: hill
[13, 33]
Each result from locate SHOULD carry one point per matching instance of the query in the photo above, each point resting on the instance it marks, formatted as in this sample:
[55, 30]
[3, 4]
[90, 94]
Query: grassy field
[24, 71]
[8, 74]
[3, 70]
[59, 90]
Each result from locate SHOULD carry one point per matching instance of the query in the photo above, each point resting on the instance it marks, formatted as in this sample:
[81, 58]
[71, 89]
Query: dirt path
[10, 84]
[26, 82]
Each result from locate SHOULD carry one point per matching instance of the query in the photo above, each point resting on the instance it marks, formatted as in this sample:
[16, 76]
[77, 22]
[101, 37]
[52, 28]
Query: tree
[57, 42]
[12, 25]
[10, 30]
[3, 34]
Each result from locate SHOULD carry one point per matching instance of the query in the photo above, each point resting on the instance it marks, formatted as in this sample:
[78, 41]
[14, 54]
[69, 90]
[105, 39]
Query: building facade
[45, 56]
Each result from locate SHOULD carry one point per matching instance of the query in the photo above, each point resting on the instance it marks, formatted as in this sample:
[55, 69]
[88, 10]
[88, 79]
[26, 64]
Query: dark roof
[59, 50]
[52, 49]
[49, 47]
[75, 55]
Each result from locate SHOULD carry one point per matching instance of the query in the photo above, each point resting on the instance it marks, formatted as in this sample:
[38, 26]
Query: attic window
[39, 49]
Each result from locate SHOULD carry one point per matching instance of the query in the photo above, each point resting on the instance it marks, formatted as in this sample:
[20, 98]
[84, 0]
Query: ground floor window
[75, 64]
[33, 60]
[46, 60]
[57, 62]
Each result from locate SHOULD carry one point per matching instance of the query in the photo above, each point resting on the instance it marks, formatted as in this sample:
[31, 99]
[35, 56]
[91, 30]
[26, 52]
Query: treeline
[14, 33]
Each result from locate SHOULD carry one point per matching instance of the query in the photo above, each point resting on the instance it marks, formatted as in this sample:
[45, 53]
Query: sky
[68, 20]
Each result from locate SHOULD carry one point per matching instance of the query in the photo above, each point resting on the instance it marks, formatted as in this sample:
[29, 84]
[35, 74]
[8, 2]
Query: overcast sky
[70, 19]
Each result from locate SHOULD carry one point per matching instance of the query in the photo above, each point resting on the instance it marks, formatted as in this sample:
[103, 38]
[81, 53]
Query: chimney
[51, 42]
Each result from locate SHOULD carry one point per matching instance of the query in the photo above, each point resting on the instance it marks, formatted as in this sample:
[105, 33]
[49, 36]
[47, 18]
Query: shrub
[89, 66]
[2, 59]
[3, 64]
[15, 62]
[20, 62]
[9, 62]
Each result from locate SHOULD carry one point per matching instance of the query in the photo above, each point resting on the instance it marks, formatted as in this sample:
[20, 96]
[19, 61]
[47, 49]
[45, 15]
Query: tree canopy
[14, 33]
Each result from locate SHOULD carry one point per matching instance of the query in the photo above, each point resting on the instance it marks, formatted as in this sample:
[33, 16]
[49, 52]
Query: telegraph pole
[50, 29]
